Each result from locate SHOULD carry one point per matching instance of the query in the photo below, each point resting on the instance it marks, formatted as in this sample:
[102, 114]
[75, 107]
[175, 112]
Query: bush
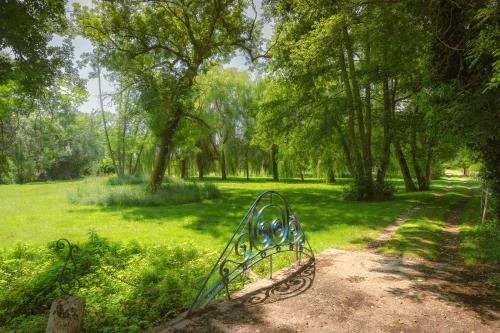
[357, 191]
[127, 180]
[99, 191]
[481, 243]
[28, 284]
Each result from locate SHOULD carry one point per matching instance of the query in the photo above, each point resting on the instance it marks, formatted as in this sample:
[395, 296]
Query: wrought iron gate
[268, 228]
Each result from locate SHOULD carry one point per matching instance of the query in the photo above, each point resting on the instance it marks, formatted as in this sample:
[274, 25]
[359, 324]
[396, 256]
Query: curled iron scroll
[68, 276]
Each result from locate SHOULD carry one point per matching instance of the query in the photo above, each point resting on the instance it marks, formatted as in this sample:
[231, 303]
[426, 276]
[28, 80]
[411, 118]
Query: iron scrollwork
[68, 275]
[268, 228]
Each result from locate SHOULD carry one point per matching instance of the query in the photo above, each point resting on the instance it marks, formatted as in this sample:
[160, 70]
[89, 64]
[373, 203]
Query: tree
[464, 60]
[225, 100]
[162, 46]
[29, 67]
[348, 54]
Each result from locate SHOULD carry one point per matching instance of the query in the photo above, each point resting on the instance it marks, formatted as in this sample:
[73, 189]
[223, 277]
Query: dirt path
[387, 233]
[448, 251]
[346, 291]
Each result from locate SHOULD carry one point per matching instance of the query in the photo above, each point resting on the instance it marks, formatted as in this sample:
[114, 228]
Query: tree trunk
[405, 171]
[223, 164]
[357, 169]
[4, 167]
[386, 146]
[199, 163]
[366, 165]
[247, 166]
[158, 171]
[184, 168]
[123, 148]
[301, 176]
[138, 158]
[416, 166]
[330, 178]
[368, 108]
[274, 160]
[174, 114]
[105, 125]
[428, 170]
[345, 148]
[156, 176]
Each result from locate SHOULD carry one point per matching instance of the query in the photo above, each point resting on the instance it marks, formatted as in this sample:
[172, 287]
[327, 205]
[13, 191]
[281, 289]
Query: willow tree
[225, 99]
[162, 46]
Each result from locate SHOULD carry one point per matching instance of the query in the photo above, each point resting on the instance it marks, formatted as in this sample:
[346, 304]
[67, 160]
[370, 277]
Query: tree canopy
[361, 89]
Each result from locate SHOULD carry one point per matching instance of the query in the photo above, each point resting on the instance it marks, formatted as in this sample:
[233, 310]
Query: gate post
[66, 315]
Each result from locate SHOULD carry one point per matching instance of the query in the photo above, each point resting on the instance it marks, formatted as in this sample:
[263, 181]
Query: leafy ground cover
[478, 243]
[155, 290]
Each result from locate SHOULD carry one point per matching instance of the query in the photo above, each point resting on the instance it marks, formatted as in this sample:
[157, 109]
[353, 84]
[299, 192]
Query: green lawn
[40, 212]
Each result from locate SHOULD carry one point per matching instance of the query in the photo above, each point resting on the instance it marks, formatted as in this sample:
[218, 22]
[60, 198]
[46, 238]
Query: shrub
[99, 191]
[155, 291]
[357, 191]
[127, 180]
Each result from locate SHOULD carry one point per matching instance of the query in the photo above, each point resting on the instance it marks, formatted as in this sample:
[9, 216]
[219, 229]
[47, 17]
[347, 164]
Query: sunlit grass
[40, 212]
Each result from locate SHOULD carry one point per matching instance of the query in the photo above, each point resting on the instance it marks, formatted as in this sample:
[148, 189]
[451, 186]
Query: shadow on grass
[212, 179]
[319, 208]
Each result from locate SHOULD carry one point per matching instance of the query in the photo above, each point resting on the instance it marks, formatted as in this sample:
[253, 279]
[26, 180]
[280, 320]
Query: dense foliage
[162, 282]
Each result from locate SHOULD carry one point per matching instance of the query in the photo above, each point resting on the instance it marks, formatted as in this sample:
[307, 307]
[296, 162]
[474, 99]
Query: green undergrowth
[479, 244]
[131, 191]
[126, 287]
[420, 236]
[164, 279]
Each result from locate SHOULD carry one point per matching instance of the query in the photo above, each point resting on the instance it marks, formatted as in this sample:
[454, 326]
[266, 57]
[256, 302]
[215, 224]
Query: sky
[82, 45]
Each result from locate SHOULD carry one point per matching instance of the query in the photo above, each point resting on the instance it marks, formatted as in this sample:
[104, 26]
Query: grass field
[41, 212]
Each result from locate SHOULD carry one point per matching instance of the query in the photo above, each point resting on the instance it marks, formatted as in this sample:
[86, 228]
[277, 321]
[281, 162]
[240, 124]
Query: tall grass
[132, 192]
